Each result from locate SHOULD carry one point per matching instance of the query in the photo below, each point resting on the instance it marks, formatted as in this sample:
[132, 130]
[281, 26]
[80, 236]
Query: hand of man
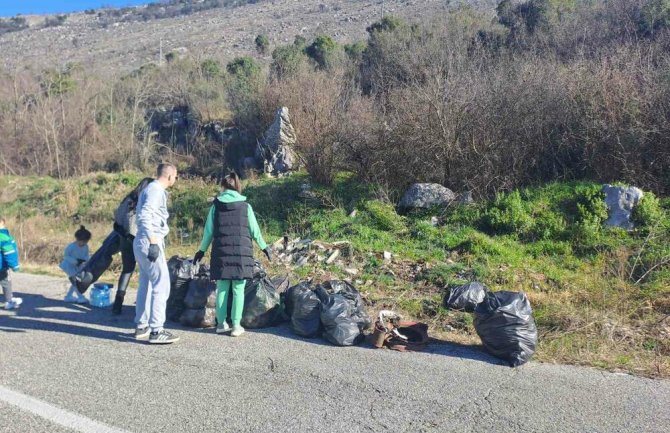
[80, 262]
[198, 257]
[268, 253]
[154, 252]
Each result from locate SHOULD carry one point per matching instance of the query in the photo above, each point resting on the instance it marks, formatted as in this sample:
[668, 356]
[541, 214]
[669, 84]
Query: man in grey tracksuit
[149, 249]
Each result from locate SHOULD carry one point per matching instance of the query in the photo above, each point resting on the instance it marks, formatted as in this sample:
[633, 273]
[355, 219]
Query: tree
[322, 51]
[243, 67]
[655, 16]
[388, 23]
[210, 69]
[355, 51]
[287, 60]
[262, 44]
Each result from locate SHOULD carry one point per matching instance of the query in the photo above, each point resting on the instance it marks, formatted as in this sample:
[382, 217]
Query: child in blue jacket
[76, 254]
[9, 260]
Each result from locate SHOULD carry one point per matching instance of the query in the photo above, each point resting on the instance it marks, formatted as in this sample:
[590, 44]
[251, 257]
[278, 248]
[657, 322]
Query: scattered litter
[301, 252]
[331, 259]
[394, 333]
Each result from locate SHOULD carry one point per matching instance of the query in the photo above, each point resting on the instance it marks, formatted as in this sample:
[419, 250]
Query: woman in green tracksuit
[231, 226]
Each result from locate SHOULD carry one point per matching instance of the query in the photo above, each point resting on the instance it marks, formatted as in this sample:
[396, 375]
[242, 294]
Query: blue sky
[13, 7]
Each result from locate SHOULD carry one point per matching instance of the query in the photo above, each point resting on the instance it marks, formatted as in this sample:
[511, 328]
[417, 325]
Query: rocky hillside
[222, 32]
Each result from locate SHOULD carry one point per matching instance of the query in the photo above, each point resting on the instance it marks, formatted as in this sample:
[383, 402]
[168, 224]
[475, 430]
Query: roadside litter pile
[335, 310]
[503, 320]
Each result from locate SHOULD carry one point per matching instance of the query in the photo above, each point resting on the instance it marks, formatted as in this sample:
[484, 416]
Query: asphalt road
[82, 362]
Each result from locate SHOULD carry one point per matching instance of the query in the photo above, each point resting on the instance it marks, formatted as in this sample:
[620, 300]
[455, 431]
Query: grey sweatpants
[6, 283]
[154, 288]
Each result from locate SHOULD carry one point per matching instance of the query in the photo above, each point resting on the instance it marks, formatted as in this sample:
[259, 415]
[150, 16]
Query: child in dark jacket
[9, 261]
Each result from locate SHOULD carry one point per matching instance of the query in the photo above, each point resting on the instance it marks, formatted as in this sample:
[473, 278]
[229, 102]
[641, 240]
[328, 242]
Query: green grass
[601, 297]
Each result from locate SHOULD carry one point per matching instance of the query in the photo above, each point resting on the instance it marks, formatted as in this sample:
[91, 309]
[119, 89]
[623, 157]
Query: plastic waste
[504, 321]
[101, 296]
[466, 297]
[306, 311]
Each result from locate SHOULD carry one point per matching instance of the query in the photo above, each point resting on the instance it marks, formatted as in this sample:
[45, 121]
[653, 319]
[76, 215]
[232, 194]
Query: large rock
[621, 200]
[426, 195]
[276, 151]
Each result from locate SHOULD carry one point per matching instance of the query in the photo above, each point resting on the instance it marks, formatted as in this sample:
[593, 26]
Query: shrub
[287, 61]
[384, 217]
[649, 212]
[508, 214]
[210, 69]
[56, 21]
[323, 51]
[243, 67]
[262, 44]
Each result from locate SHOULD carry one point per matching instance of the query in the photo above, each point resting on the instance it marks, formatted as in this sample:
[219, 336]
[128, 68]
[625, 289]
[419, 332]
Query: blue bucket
[101, 295]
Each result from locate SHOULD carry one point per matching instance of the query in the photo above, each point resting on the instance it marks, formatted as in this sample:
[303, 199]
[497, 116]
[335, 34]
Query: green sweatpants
[222, 290]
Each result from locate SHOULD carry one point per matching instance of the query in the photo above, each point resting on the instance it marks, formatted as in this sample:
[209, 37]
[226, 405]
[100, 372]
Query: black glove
[198, 257]
[80, 262]
[154, 252]
[268, 253]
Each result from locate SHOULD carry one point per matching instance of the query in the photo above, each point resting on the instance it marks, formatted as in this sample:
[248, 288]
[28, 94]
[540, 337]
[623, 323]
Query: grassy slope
[547, 242]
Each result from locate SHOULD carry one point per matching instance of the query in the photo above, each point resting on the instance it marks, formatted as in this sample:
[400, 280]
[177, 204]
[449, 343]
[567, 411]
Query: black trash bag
[465, 297]
[262, 304]
[340, 327]
[201, 293]
[504, 321]
[306, 314]
[290, 295]
[353, 296]
[99, 262]
[198, 317]
[182, 272]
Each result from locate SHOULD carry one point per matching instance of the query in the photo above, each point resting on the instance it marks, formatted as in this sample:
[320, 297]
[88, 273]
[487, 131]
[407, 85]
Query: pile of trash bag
[465, 297]
[192, 300]
[504, 321]
[334, 310]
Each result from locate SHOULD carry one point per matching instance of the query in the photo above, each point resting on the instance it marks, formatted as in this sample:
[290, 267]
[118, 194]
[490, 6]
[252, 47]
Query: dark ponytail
[232, 181]
[82, 234]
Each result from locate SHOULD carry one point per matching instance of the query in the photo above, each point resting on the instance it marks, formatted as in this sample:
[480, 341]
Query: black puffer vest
[232, 247]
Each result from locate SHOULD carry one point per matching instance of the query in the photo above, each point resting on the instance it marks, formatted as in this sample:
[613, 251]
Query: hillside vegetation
[600, 296]
[549, 90]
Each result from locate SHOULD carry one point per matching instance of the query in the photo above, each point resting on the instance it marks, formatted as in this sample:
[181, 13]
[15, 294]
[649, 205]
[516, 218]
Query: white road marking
[54, 414]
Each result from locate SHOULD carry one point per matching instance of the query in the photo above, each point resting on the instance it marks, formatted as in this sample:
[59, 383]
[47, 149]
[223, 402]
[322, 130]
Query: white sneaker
[237, 331]
[13, 304]
[222, 329]
[71, 298]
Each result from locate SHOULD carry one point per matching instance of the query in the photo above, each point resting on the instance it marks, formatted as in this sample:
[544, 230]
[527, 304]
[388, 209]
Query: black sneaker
[118, 305]
[163, 337]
